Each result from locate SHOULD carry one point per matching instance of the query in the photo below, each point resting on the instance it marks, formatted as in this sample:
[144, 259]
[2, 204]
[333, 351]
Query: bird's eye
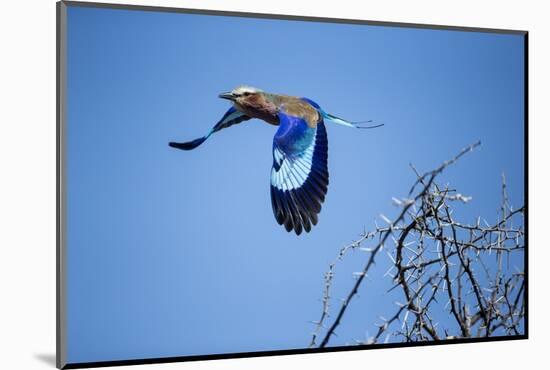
[246, 93]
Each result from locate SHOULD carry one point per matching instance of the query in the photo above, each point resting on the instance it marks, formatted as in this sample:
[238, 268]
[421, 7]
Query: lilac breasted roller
[299, 176]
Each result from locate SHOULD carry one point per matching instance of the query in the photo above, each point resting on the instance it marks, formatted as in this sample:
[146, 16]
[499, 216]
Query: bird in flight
[299, 176]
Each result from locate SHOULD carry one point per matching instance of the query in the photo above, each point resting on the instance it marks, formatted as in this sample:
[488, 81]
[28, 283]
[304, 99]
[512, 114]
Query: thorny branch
[447, 271]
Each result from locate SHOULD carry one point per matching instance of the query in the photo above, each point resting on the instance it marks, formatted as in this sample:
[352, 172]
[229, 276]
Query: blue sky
[175, 253]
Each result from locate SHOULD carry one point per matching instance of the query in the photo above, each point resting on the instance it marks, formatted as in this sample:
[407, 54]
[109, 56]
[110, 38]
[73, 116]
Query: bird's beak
[227, 95]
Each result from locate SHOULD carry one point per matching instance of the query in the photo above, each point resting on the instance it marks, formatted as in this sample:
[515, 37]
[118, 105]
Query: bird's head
[243, 95]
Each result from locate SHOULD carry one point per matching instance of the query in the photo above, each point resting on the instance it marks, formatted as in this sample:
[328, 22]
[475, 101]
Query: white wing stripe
[293, 172]
[303, 172]
[232, 116]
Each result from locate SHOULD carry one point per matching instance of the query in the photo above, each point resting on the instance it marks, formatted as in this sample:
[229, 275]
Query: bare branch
[433, 250]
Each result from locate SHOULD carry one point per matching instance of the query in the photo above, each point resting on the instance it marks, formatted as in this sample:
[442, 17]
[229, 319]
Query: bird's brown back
[297, 107]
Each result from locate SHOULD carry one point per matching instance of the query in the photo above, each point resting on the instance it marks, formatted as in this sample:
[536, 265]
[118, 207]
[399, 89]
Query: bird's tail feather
[339, 120]
[347, 123]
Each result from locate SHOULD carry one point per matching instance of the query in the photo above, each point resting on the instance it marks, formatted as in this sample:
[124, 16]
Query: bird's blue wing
[299, 176]
[231, 117]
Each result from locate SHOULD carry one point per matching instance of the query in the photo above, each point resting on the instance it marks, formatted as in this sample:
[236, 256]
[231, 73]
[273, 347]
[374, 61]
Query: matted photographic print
[234, 184]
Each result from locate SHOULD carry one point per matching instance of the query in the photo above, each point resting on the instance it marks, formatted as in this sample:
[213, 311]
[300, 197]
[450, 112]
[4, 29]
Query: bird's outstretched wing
[299, 176]
[231, 117]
